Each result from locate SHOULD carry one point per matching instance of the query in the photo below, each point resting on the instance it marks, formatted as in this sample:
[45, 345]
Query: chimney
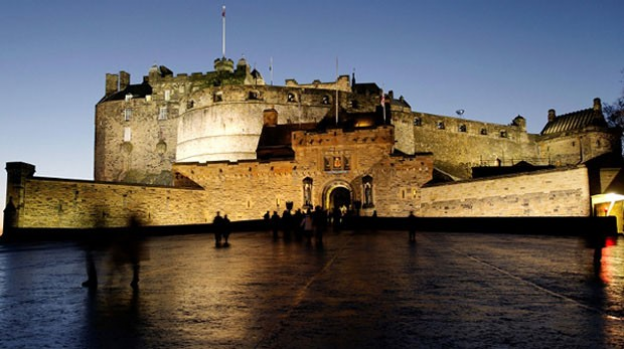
[124, 80]
[597, 104]
[112, 83]
[551, 115]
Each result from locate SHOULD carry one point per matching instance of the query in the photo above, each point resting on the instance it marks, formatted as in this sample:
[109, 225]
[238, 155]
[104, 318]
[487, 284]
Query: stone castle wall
[246, 190]
[561, 192]
[576, 147]
[55, 203]
[133, 143]
[460, 144]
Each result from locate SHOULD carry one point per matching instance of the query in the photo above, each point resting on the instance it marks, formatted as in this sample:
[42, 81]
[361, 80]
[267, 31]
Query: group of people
[302, 224]
[222, 230]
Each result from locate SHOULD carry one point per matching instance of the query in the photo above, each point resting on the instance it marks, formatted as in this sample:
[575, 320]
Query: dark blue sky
[493, 58]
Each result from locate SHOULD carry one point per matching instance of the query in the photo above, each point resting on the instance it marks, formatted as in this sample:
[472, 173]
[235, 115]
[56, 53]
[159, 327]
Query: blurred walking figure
[128, 248]
[226, 230]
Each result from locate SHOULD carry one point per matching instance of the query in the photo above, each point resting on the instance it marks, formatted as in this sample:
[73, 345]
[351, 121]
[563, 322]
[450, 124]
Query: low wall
[57, 203]
[559, 192]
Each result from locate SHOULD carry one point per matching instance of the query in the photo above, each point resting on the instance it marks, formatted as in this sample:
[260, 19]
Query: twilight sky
[493, 58]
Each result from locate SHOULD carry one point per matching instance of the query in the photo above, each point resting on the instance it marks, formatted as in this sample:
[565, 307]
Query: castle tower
[17, 175]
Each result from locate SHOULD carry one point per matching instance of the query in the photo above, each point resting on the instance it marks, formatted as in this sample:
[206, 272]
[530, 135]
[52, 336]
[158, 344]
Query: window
[503, 134]
[326, 165]
[190, 104]
[484, 131]
[127, 114]
[167, 95]
[355, 104]
[162, 115]
[325, 99]
[253, 95]
[417, 121]
[291, 97]
[440, 125]
[462, 128]
[127, 136]
[218, 97]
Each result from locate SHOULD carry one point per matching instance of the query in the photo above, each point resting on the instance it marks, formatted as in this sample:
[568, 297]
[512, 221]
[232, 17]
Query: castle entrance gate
[337, 194]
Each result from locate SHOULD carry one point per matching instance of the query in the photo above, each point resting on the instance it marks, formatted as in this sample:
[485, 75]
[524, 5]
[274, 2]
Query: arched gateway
[337, 194]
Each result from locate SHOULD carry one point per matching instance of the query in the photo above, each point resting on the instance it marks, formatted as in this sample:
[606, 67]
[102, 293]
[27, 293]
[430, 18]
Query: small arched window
[326, 100]
[462, 128]
[440, 125]
[291, 97]
[484, 131]
[417, 121]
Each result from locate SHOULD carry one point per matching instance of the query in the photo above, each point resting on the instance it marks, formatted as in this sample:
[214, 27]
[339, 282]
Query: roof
[137, 91]
[366, 88]
[575, 121]
[276, 141]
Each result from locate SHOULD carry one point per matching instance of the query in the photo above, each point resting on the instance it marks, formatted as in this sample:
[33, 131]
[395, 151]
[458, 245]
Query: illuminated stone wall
[560, 192]
[247, 189]
[460, 144]
[56, 203]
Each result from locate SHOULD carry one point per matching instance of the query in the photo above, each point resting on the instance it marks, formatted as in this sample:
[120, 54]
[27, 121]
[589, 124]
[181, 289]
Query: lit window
[162, 115]
[127, 137]
[127, 114]
[167, 95]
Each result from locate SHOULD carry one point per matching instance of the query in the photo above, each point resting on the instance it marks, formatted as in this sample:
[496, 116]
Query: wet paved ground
[370, 290]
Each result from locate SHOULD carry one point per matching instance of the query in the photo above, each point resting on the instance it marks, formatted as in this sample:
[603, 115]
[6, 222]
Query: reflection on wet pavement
[359, 290]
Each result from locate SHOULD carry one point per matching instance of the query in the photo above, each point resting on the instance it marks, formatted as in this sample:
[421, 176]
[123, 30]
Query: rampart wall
[460, 144]
[56, 203]
[560, 192]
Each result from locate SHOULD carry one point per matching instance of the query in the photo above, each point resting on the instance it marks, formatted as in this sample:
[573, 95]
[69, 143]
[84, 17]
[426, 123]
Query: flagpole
[223, 39]
[336, 90]
[271, 70]
[383, 105]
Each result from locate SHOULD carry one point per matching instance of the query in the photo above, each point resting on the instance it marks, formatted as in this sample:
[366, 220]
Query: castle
[174, 149]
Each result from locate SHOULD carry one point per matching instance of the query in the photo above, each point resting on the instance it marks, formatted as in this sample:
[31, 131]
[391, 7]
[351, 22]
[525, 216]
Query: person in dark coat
[217, 225]
[275, 223]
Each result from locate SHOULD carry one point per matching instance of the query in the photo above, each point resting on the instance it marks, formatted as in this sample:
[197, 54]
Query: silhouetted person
[275, 223]
[297, 218]
[217, 226]
[308, 225]
[411, 222]
[287, 224]
[227, 229]
[320, 223]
